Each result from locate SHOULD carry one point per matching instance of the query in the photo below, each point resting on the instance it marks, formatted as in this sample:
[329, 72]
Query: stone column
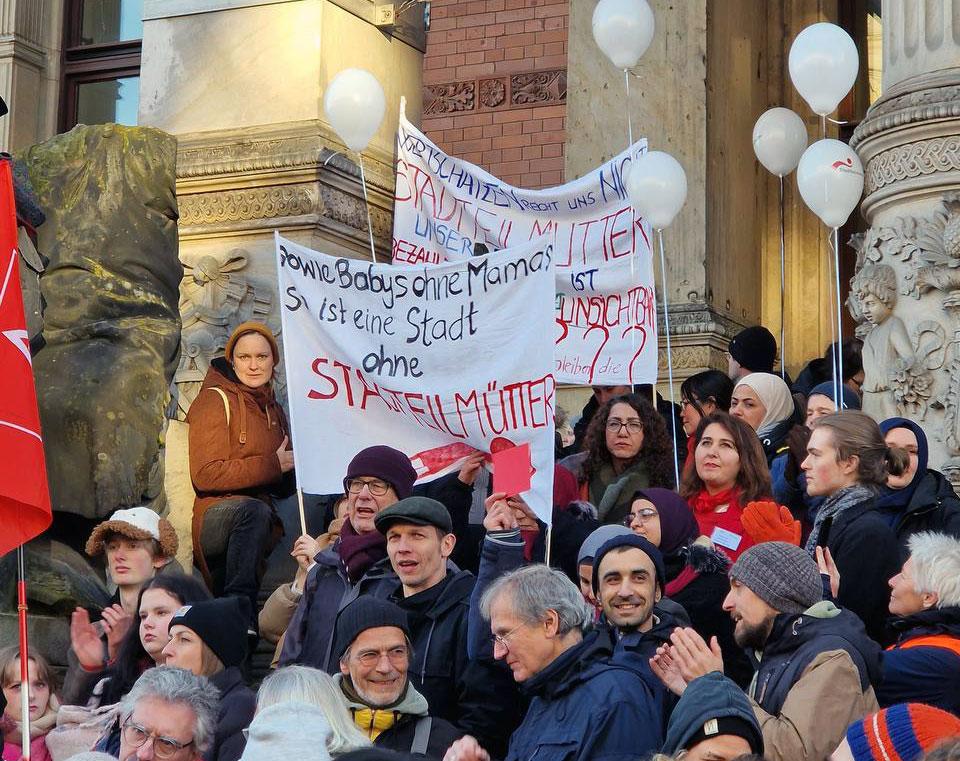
[31, 33]
[906, 293]
[240, 83]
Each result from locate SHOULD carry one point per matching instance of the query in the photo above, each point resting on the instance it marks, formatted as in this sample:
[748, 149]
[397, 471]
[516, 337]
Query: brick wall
[495, 86]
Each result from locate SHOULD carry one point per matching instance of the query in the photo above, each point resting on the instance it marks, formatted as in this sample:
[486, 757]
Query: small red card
[512, 470]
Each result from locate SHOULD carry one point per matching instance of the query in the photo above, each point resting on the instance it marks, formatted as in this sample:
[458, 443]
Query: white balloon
[779, 138]
[354, 104]
[623, 29]
[830, 178]
[823, 66]
[657, 186]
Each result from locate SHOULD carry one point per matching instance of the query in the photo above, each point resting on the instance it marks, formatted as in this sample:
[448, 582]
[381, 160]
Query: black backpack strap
[421, 736]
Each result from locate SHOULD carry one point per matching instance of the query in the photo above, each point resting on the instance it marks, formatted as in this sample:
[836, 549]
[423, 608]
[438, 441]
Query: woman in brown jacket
[240, 456]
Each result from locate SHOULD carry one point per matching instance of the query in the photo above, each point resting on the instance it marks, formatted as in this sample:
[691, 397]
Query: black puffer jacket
[934, 506]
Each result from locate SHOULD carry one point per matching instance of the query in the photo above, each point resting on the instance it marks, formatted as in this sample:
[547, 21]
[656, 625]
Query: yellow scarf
[372, 721]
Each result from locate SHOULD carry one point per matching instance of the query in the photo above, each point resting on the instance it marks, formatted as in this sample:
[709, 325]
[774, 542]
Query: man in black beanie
[752, 350]
[816, 667]
[373, 645]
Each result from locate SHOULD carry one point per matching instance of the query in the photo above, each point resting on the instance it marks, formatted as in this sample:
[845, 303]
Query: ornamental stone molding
[267, 203]
[535, 88]
[941, 154]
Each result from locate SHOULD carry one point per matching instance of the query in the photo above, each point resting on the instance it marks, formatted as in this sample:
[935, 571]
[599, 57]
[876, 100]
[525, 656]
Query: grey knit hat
[782, 575]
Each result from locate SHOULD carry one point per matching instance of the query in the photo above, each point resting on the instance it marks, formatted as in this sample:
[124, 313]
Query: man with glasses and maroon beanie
[376, 478]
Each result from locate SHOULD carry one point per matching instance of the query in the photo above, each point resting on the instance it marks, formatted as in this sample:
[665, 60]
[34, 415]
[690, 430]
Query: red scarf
[705, 502]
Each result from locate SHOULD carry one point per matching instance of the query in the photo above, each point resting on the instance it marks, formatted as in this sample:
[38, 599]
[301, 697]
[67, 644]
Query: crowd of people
[796, 595]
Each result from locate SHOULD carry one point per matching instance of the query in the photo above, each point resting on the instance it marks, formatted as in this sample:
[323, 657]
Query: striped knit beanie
[902, 732]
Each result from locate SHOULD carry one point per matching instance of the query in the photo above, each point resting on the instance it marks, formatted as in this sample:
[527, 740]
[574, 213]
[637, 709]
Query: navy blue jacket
[915, 673]
[583, 708]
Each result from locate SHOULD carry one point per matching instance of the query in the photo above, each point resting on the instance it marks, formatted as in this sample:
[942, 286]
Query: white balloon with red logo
[830, 179]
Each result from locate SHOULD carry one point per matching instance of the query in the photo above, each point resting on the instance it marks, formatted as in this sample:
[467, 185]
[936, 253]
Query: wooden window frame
[83, 64]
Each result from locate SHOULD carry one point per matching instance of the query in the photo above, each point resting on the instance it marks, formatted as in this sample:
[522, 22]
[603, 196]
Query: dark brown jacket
[235, 459]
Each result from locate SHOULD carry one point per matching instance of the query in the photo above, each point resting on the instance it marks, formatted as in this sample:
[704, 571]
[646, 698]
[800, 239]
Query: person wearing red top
[730, 471]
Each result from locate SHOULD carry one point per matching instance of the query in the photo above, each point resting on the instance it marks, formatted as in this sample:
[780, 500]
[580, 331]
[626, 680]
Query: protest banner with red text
[448, 210]
[438, 361]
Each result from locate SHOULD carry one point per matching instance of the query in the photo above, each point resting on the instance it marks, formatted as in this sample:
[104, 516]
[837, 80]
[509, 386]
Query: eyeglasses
[377, 487]
[643, 515]
[615, 425]
[163, 747]
[396, 655]
[504, 639]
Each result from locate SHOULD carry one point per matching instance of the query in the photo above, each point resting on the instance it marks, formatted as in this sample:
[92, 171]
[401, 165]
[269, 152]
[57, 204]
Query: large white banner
[438, 361]
[606, 327]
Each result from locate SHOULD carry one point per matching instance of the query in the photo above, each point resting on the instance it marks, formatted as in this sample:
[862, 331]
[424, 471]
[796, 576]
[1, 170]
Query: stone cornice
[915, 100]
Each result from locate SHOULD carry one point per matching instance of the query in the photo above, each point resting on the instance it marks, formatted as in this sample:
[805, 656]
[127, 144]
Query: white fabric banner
[606, 308]
[437, 361]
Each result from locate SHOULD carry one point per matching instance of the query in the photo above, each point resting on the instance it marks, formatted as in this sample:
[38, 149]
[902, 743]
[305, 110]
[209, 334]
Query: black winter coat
[400, 736]
[703, 598]
[934, 506]
[865, 550]
[237, 706]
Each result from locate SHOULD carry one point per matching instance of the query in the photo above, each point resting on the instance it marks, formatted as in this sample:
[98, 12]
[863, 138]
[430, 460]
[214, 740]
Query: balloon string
[666, 328]
[366, 202]
[833, 341]
[823, 127]
[783, 293]
[836, 262]
[626, 79]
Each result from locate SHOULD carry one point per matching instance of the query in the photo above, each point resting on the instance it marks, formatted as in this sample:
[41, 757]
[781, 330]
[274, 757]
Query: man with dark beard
[816, 667]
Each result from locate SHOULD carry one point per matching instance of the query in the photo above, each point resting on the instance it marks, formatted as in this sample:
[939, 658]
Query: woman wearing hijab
[764, 402]
[696, 572]
[921, 499]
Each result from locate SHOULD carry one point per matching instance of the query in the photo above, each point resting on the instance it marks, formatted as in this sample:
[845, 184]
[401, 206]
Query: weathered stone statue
[886, 343]
[111, 321]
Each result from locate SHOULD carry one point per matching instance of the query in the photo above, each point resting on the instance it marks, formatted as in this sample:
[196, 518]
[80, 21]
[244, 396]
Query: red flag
[24, 494]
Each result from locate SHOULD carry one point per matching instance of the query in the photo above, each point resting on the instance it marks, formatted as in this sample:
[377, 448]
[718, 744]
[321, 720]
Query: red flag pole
[24, 656]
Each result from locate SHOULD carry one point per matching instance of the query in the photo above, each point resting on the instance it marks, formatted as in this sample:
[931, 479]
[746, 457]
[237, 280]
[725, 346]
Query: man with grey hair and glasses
[582, 706]
[169, 714]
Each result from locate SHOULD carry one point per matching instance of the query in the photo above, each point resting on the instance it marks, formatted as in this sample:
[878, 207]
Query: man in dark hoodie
[816, 667]
[713, 721]
[373, 645]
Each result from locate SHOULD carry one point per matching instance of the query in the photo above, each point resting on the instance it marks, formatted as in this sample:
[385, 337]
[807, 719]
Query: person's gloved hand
[769, 522]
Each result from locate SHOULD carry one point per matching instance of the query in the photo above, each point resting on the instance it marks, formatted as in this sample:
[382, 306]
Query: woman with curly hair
[729, 472]
[626, 448]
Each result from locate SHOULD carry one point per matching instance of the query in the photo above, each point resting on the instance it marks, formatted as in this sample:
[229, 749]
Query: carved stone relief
[536, 88]
[540, 87]
[216, 295]
[448, 98]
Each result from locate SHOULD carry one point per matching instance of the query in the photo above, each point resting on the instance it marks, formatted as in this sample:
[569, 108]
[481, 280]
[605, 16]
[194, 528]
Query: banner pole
[666, 328]
[783, 293]
[286, 364]
[549, 541]
[366, 203]
[24, 656]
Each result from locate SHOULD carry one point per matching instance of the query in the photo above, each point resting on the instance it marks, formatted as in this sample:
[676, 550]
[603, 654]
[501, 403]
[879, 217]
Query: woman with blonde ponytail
[848, 462]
